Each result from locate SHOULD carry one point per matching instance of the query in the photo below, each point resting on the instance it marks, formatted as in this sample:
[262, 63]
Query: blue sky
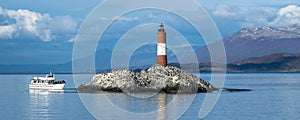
[43, 32]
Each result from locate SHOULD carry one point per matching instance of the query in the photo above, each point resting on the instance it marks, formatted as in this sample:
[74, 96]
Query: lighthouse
[161, 58]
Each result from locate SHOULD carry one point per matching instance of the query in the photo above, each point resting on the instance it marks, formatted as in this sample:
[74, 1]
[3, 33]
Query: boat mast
[50, 72]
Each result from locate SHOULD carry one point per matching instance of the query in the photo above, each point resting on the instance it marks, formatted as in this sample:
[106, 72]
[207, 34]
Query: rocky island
[157, 78]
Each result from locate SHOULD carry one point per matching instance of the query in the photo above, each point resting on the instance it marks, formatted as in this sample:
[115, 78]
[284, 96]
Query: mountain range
[258, 49]
[255, 42]
[278, 62]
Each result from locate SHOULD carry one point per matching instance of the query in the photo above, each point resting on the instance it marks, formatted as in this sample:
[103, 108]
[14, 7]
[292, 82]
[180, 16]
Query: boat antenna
[50, 71]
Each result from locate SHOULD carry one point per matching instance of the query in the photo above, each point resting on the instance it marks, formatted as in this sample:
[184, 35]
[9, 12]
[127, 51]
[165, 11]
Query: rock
[156, 79]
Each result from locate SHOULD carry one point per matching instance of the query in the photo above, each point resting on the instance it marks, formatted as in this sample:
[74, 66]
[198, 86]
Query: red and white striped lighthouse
[161, 47]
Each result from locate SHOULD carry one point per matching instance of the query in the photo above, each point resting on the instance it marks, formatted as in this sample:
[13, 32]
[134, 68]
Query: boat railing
[60, 82]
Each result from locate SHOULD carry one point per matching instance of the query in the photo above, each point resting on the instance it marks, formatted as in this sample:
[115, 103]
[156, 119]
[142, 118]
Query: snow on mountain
[253, 42]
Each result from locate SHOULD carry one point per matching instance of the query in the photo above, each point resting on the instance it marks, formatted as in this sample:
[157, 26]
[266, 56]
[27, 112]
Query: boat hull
[47, 86]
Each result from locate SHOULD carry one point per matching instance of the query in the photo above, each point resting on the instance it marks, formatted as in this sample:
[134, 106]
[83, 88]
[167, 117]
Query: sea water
[272, 96]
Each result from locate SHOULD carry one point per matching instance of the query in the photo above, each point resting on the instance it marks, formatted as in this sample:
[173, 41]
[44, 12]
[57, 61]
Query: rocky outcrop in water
[156, 79]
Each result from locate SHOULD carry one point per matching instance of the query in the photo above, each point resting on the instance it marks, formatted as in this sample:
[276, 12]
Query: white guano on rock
[167, 79]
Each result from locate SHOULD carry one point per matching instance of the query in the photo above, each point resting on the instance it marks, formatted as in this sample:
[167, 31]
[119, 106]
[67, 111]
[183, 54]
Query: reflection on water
[45, 92]
[161, 106]
[40, 104]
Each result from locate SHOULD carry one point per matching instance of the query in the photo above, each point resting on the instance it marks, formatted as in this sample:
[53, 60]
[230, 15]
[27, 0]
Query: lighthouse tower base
[161, 60]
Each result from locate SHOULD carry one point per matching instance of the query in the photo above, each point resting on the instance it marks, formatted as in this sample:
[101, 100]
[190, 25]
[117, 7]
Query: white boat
[46, 83]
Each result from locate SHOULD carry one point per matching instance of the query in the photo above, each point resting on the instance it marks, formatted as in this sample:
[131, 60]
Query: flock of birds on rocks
[157, 78]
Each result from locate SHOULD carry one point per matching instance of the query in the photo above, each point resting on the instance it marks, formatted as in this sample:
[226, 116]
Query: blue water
[273, 96]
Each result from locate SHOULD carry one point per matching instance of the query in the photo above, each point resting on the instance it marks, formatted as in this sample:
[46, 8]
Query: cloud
[24, 23]
[223, 10]
[6, 32]
[258, 16]
[288, 15]
[121, 18]
[71, 39]
[263, 16]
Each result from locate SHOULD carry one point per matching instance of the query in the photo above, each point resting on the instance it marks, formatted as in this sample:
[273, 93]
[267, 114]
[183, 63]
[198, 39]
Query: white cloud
[126, 18]
[151, 16]
[69, 24]
[71, 39]
[288, 15]
[258, 16]
[289, 11]
[121, 18]
[6, 32]
[29, 23]
[223, 10]
[285, 16]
